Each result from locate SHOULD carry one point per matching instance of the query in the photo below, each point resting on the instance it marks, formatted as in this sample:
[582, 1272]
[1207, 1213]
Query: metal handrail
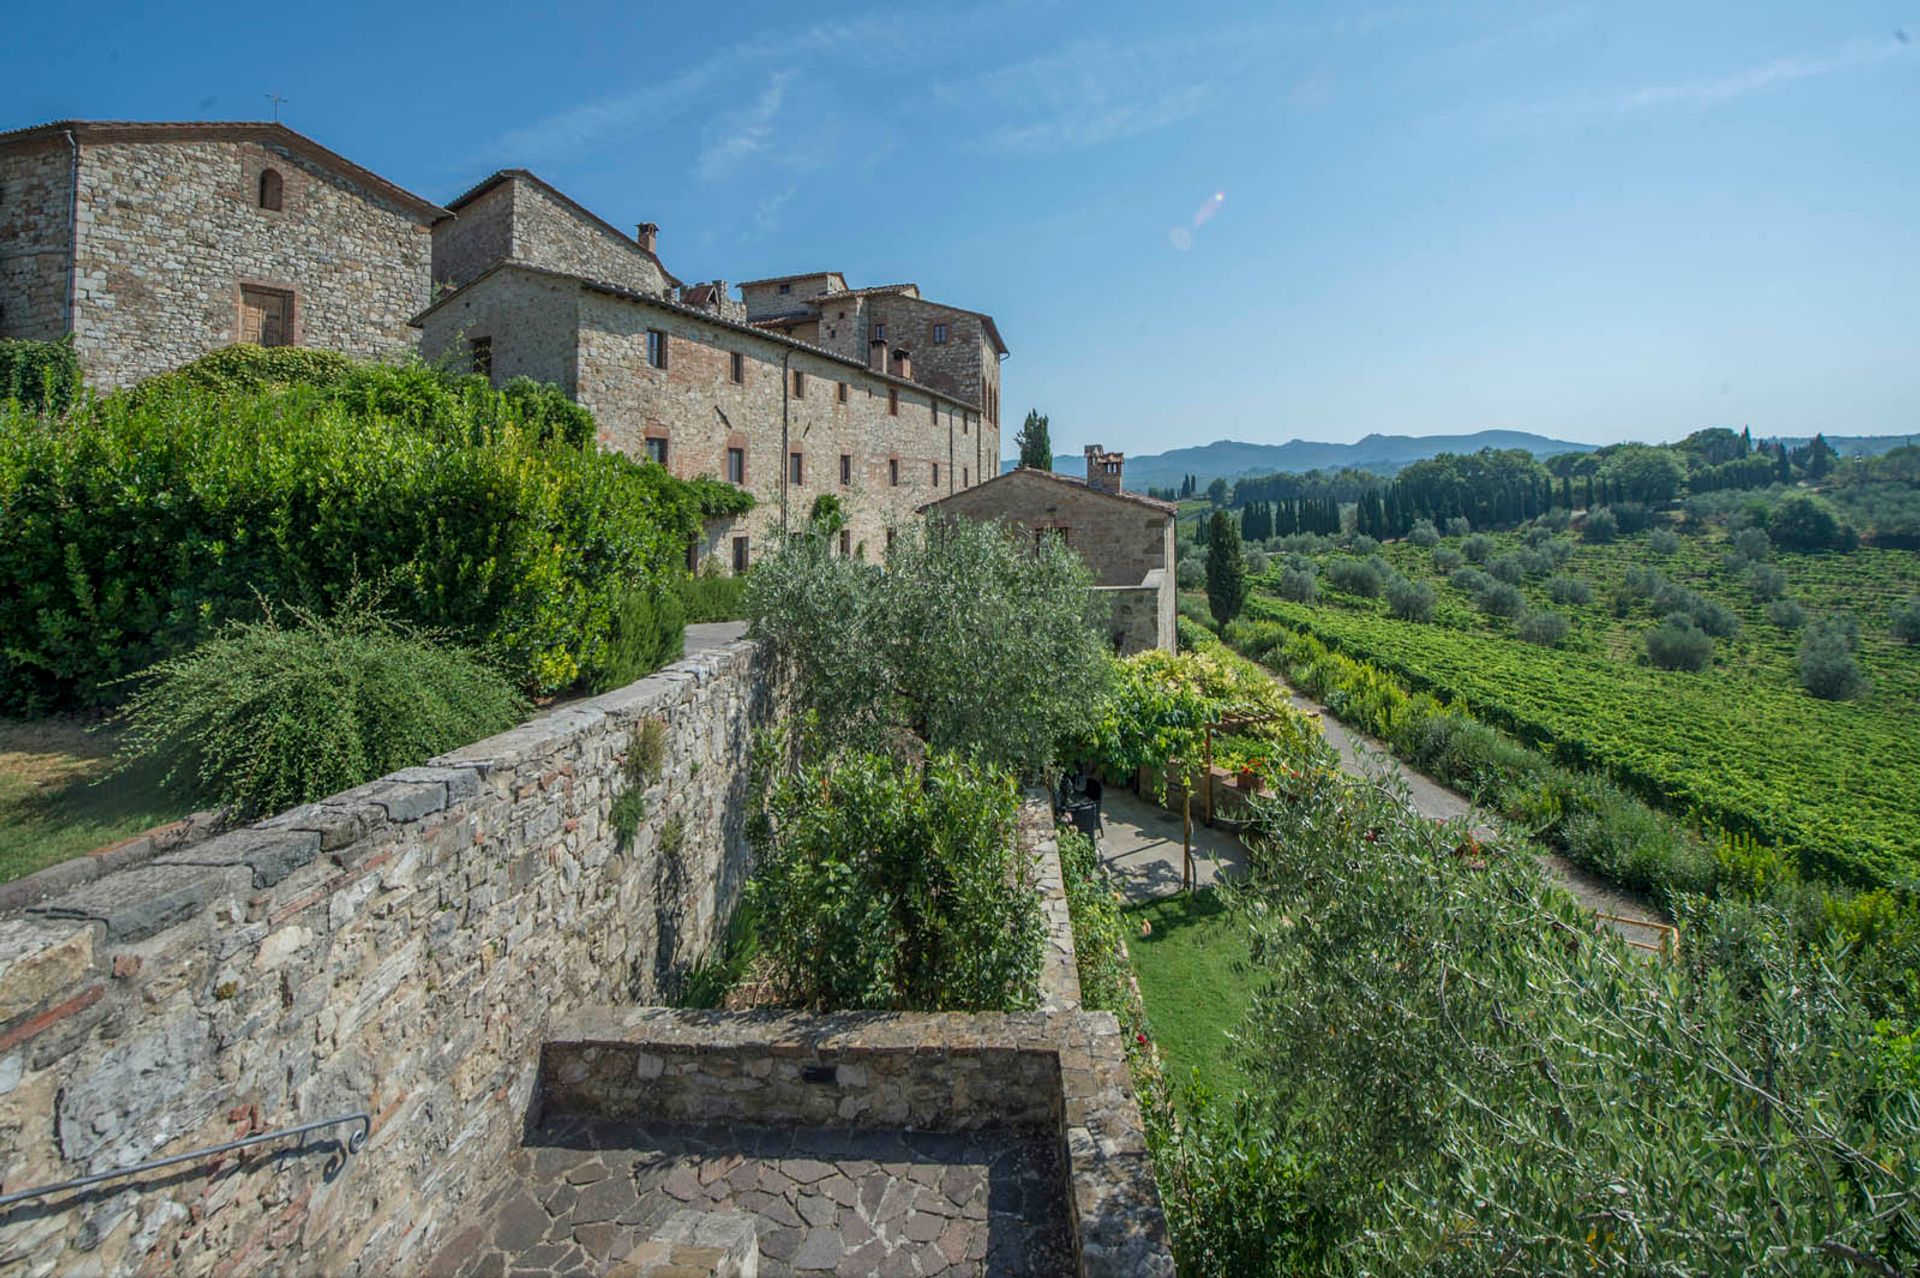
[354, 1144]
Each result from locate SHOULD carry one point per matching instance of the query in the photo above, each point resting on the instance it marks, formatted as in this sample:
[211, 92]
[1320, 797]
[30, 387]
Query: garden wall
[404, 948]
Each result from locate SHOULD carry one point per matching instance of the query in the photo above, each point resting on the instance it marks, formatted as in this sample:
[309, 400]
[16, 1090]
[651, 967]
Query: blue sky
[1597, 222]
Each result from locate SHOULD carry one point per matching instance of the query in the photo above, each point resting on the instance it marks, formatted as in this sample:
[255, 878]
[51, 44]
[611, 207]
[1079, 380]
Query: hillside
[1382, 454]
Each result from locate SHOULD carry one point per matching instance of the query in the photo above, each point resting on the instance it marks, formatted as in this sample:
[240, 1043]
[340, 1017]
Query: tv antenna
[277, 101]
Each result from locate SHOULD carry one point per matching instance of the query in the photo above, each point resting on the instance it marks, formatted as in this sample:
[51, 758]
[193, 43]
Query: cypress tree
[1226, 570]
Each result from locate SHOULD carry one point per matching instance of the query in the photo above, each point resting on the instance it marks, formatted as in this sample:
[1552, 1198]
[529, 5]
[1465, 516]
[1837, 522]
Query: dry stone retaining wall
[404, 948]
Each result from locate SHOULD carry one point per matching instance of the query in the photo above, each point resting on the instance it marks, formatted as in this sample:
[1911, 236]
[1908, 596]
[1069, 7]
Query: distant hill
[1382, 454]
[1844, 445]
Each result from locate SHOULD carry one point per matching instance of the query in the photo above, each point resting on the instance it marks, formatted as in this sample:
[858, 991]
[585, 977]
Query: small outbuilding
[1125, 538]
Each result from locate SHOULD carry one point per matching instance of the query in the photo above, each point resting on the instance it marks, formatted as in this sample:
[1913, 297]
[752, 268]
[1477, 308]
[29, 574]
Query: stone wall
[36, 240]
[170, 231]
[533, 320]
[479, 234]
[1122, 538]
[403, 948]
[965, 365]
[1142, 616]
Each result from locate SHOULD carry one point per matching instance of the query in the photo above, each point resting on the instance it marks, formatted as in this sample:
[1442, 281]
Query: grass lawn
[1193, 974]
[54, 803]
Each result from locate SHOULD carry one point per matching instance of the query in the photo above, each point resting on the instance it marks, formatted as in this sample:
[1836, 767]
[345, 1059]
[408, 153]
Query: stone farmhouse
[1126, 539]
[154, 244]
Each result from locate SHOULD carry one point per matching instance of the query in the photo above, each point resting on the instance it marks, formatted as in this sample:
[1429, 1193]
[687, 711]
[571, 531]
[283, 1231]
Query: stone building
[529, 283]
[1126, 539]
[154, 244]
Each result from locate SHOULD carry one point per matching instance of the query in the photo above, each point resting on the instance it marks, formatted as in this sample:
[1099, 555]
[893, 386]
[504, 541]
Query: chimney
[647, 235]
[877, 354]
[903, 363]
[1104, 468]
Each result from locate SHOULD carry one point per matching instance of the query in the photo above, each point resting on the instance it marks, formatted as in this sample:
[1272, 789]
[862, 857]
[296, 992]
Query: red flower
[1140, 1039]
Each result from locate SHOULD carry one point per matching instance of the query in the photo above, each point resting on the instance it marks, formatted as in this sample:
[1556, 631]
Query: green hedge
[141, 522]
[40, 375]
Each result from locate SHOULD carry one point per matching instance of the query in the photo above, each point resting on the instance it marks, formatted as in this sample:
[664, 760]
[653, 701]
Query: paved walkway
[1141, 847]
[702, 635]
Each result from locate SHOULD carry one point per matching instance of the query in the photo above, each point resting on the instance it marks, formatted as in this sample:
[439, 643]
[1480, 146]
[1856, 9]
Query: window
[786, 288]
[799, 384]
[846, 469]
[893, 471]
[936, 474]
[739, 367]
[657, 449]
[843, 392]
[266, 316]
[933, 411]
[736, 465]
[272, 190]
[739, 554]
[656, 348]
[893, 401]
[693, 554]
[846, 543]
[880, 331]
[796, 469]
[480, 356]
[965, 481]
[939, 334]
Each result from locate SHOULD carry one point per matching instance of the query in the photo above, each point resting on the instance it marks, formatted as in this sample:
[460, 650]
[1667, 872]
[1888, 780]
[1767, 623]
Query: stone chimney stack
[903, 363]
[647, 236]
[877, 354]
[1104, 468]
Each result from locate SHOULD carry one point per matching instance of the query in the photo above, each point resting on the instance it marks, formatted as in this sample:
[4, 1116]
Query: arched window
[270, 189]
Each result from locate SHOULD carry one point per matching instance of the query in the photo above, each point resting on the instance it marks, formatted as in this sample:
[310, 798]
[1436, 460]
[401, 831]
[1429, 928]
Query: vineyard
[1740, 744]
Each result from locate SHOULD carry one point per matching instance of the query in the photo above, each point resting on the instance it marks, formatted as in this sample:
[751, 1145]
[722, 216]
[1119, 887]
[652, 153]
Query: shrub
[1548, 629]
[140, 523]
[1191, 573]
[1663, 542]
[1753, 543]
[1507, 568]
[1299, 584]
[1356, 577]
[1257, 562]
[1786, 614]
[1410, 600]
[1536, 562]
[1569, 590]
[1423, 533]
[1446, 559]
[1362, 544]
[1501, 599]
[1904, 620]
[260, 717]
[1800, 522]
[1715, 618]
[1470, 580]
[713, 595]
[1678, 644]
[649, 630]
[1477, 548]
[1766, 582]
[1600, 527]
[1458, 526]
[874, 653]
[883, 886]
[40, 375]
[1827, 665]
[1631, 516]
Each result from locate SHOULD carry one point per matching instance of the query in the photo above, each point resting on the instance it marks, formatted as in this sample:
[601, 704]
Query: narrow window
[657, 449]
[739, 554]
[939, 334]
[693, 554]
[656, 348]
[880, 331]
[893, 401]
[799, 384]
[846, 469]
[893, 471]
[796, 469]
[933, 411]
[965, 481]
[843, 392]
[739, 363]
[480, 356]
[272, 190]
[846, 543]
[936, 474]
[736, 465]
[786, 288]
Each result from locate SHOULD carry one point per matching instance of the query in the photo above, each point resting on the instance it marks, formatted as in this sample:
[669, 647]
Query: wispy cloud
[1709, 92]
[766, 218]
[742, 135]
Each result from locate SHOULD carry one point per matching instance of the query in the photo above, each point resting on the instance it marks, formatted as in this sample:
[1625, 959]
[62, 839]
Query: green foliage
[1354, 576]
[1301, 585]
[1447, 560]
[882, 886]
[1545, 629]
[1501, 599]
[1662, 542]
[1786, 614]
[649, 630]
[261, 717]
[628, 810]
[1678, 644]
[966, 639]
[712, 595]
[1226, 571]
[646, 752]
[1904, 621]
[1766, 582]
[41, 376]
[1600, 527]
[1099, 933]
[1569, 590]
[1806, 523]
[1642, 473]
[1827, 666]
[708, 984]
[1424, 534]
[139, 523]
[1034, 443]
[1478, 548]
[1410, 600]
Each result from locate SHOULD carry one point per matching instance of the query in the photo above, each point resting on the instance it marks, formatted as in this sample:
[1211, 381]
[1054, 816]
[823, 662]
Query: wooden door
[266, 317]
